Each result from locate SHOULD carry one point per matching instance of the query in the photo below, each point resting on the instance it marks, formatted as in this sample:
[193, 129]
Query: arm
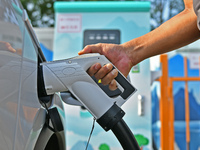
[176, 32]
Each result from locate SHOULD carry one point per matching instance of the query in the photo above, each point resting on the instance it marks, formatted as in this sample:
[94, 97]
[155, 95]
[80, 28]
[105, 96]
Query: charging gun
[70, 75]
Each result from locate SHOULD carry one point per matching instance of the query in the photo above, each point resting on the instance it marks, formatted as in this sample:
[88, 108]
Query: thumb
[90, 49]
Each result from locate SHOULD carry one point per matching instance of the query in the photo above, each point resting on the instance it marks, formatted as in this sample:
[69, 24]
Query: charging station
[81, 23]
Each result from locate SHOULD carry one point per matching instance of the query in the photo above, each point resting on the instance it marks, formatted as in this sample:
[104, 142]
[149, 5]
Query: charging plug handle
[128, 88]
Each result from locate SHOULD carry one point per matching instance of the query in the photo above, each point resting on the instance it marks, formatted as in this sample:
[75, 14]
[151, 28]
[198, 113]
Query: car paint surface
[21, 115]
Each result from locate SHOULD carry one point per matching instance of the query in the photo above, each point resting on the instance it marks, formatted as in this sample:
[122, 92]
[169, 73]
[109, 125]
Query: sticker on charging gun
[69, 23]
[136, 69]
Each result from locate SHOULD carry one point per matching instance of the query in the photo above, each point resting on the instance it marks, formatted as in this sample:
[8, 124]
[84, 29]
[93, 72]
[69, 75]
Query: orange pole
[164, 105]
[187, 111]
[171, 114]
[185, 78]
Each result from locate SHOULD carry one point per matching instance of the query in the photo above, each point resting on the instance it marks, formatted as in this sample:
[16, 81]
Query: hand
[105, 73]
[117, 54]
[6, 46]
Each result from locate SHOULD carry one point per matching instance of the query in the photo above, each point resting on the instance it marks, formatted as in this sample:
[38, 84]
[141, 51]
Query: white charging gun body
[71, 74]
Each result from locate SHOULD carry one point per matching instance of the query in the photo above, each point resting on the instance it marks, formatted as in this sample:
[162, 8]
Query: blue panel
[176, 68]
[47, 53]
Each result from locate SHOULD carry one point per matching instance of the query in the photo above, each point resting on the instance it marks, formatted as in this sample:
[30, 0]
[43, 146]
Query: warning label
[69, 23]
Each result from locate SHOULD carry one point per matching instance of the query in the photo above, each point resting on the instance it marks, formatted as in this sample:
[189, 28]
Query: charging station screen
[101, 36]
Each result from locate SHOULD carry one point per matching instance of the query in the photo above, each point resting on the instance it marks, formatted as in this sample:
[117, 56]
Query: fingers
[91, 49]
[6, 46]
[113, 85]
[109, 80]
[10, 48]
[94, 69]
[109, 77]
[105, 73]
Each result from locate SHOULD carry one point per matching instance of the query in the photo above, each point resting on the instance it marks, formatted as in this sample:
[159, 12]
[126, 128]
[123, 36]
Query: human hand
[6, 46]
[117, 54]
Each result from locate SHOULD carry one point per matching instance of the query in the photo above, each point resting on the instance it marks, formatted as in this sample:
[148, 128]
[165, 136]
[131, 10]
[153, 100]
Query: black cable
[90, 134]
[48, 118]
[125, 136]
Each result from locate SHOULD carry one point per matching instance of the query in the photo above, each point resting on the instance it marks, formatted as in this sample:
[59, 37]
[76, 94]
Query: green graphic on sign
[104, 147]
[136, 69]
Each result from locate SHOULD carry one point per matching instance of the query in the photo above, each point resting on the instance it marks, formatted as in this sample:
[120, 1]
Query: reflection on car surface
[22, 116]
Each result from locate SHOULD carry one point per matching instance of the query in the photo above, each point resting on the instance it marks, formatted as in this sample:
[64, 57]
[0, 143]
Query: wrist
[134, 49]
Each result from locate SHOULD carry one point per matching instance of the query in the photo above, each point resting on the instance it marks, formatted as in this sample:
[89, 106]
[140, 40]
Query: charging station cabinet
[81, 23]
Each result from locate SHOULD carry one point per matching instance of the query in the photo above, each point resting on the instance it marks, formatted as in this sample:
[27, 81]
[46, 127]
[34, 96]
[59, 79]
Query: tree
[163, 10]
[41, 12]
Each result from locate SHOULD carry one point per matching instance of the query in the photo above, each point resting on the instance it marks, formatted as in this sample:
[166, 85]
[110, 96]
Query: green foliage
[41, 12]
[142, 141]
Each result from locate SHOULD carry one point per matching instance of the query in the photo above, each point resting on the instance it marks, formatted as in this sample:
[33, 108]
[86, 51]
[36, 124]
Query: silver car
[27, 119]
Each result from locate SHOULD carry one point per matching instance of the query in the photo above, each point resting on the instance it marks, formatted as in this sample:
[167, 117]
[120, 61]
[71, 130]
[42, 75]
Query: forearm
[175, 33]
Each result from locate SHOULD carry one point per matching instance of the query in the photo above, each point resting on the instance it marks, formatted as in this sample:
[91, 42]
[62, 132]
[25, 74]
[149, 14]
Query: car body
[24, 121]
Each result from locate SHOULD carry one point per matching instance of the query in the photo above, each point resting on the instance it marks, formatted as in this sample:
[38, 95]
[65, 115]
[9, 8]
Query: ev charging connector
[71, 75]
